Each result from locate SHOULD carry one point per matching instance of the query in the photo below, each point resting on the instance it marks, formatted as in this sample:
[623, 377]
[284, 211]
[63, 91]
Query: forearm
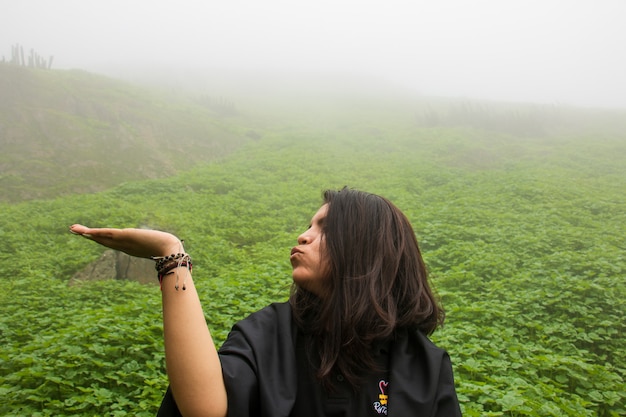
[193, 366]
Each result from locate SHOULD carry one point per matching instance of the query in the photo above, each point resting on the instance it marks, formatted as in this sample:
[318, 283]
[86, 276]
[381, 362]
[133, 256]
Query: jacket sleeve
[447, 403]
[239, 368]
[258, 366]
[239, 371]
[421, 379]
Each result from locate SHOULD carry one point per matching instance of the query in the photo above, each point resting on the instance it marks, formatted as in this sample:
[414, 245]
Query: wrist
[166, 265]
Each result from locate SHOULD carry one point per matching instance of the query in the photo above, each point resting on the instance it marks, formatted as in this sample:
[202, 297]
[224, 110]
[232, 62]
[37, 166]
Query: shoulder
[273, 310]
[274, 314]
[420, 339]
[264, 327]
[416, 339]
[416, 349]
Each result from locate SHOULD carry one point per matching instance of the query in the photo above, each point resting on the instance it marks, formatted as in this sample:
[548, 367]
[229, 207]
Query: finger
[79, 229]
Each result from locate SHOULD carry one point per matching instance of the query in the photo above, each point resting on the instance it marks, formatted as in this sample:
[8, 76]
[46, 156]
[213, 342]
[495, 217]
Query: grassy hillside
[71, 132]
[523, 234]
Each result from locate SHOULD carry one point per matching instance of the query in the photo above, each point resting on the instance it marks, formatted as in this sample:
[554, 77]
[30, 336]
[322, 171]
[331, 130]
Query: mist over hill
[73, 132]
[279, 97]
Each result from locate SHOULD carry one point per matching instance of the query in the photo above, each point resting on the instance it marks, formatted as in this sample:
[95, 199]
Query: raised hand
[142, 243]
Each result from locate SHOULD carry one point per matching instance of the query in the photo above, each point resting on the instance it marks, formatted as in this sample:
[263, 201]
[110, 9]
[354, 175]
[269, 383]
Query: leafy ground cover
[524, 238]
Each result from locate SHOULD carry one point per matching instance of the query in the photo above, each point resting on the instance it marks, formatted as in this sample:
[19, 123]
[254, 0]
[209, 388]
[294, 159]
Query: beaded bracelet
[166, 264]
[160, 260]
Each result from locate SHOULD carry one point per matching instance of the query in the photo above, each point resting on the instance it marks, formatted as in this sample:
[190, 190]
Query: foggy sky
[555, 51]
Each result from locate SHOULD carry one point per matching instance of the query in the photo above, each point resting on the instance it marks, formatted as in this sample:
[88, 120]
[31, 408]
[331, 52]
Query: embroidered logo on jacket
[381, 405]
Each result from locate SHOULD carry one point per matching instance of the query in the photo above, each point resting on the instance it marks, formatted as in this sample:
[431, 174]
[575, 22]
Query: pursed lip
[294, 251]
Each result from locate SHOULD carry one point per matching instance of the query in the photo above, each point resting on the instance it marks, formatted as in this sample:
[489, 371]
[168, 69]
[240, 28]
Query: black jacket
[259, 368]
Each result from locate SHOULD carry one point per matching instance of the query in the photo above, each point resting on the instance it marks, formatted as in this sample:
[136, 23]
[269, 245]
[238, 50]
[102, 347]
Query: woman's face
[308, 259]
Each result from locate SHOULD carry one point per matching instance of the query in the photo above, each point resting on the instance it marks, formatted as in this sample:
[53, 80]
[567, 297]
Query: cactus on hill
[34, 59]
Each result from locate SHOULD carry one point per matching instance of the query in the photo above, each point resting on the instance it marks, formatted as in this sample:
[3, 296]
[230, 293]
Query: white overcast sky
[555, 51]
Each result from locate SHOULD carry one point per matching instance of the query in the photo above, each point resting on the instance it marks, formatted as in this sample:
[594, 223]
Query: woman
[351, 341]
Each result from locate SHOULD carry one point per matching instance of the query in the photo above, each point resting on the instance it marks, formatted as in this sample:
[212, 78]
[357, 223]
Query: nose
[304, 238]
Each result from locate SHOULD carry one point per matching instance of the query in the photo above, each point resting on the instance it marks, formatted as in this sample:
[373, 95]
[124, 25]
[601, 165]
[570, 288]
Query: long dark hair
[378, 285]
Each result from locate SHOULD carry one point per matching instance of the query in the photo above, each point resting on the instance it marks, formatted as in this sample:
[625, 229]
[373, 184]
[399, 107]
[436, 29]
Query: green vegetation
[523, 235]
